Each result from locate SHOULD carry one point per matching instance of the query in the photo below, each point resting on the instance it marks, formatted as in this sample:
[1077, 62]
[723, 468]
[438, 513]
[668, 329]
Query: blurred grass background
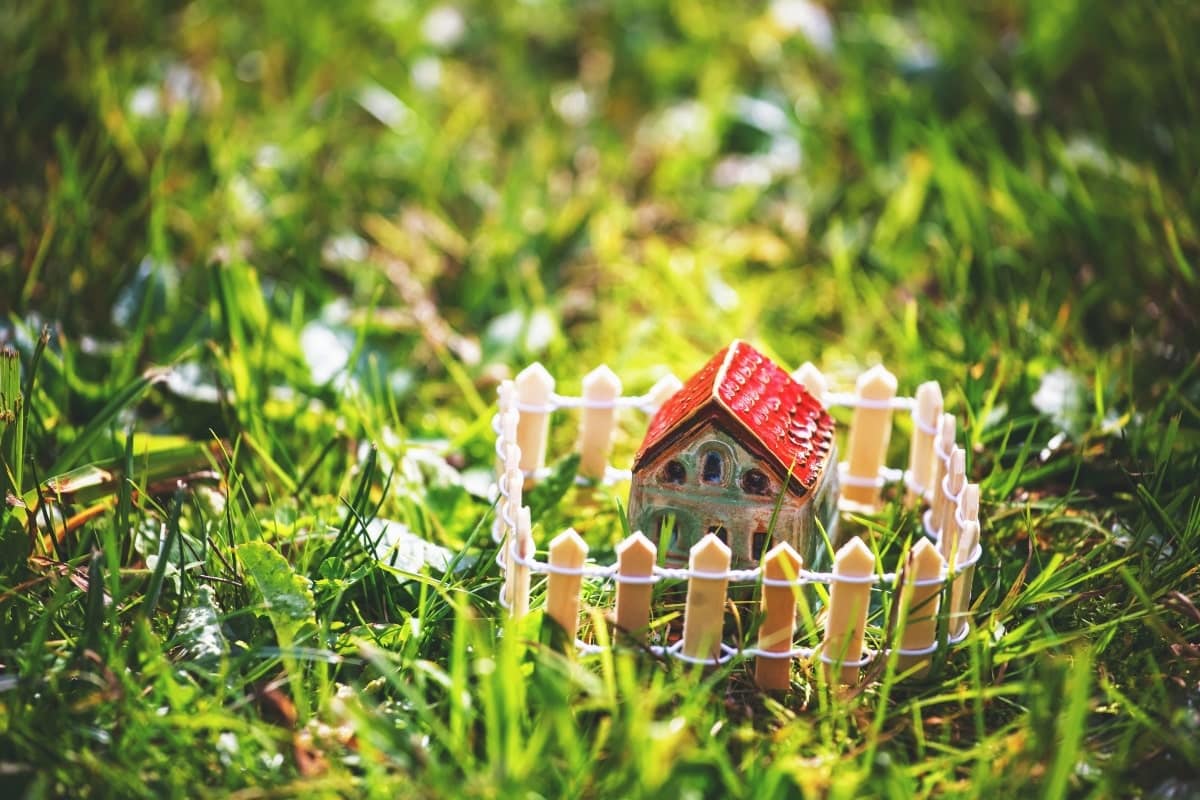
[343, 224]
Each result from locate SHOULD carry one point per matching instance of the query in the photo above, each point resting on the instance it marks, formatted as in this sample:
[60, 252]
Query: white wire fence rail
[933, 583]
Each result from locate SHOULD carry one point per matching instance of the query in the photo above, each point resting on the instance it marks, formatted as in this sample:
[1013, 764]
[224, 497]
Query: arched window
[674, 472]
[712, 467]
[758, 547]
[754, 481]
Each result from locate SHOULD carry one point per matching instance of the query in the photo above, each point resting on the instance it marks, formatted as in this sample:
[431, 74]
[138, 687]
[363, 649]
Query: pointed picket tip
[877, 383]
[524, 533]
[782, 562]
[663, 390]
[601, 382]
[637, 552]
[710, 554]
[929, 402]
[854, 558]
[970, 502]
[534, 383]
[924, 560]
[958, 468]
[946, 432]
[568, 546]
[808, 376]
[507, 392]
[783, 553]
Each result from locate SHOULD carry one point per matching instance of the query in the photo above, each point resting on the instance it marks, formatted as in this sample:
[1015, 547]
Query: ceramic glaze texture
[742, 450]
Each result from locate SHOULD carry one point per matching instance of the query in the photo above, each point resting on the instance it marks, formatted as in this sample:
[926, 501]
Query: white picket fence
[939, 564]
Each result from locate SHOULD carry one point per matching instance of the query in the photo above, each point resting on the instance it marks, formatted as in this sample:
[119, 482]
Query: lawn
[263, 267]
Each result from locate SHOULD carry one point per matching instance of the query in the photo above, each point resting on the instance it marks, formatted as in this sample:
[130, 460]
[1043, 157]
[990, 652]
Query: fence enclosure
[936, 569]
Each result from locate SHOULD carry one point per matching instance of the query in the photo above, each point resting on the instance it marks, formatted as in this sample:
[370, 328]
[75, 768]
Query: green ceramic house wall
[699, 506]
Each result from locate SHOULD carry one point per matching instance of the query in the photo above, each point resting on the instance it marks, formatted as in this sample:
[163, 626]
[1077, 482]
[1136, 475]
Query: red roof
[775, 416]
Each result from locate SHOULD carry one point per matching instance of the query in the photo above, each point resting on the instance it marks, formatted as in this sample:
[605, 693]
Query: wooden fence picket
[967, 509]
[510, 417]
[870, 433]
[969, 505]
[517, 575]
[514, 480]
[704, 614]
[534, 387]
[943, 446]
[960, 592]
[921, 455]
[775, 634]
[636, 557]
[601, 388]
[567, 552]
[508, 459]
[919, 604]
[661, 392]
[943, 505]
[510, 506]
[812, 380]
[508, 426]
[846, 622]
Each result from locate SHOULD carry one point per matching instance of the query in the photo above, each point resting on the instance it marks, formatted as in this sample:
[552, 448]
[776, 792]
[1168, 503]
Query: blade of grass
[154, 589]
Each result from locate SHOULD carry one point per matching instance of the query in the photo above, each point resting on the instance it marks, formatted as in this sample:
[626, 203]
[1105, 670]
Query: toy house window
[674, 472]
[754, 481]
[712, 467]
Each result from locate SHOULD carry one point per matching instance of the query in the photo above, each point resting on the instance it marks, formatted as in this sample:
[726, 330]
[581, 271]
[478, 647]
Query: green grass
[339, 233]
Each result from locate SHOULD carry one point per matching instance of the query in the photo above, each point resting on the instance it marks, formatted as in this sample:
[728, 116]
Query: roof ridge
[730, 351]
[761, 401]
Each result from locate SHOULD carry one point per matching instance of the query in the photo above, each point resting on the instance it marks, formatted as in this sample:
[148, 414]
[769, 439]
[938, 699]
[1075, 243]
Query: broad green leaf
[286, 597]
[200, 628]
[549, 492]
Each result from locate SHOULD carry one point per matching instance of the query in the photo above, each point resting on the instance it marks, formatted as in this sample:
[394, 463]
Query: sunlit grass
[284, 255]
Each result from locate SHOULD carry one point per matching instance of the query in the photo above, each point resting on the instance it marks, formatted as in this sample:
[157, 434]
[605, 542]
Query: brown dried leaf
[310, 761]
[276, 707]
[1181, 603]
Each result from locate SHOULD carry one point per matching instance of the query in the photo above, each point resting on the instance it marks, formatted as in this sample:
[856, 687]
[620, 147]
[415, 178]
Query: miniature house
[742, 450]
